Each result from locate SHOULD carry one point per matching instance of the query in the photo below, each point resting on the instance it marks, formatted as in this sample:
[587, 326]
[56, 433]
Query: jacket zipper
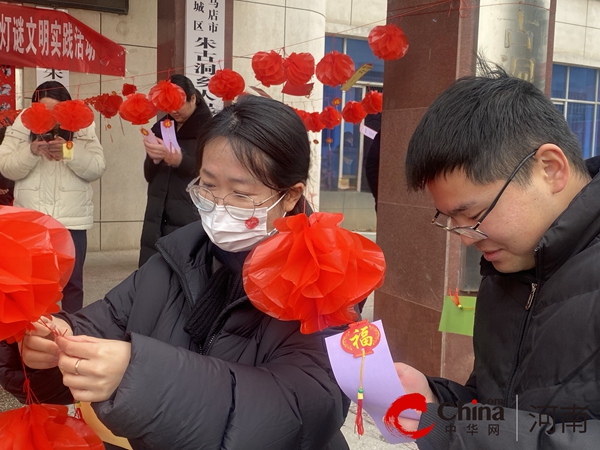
[182, 280]
[532, 292]
[219, 324]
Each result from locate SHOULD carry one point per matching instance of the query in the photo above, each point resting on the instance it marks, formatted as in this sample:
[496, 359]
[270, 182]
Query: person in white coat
[49, 182]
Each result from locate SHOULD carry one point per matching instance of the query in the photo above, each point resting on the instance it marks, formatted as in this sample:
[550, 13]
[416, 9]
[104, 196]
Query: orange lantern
[73, 115]
[38, 118]
[334, 69]
[388, 42]
[226, 84]
[137, 109]
[330, 117]
[268, 68]
[299, 68]
[372, 103]
[313, 123]
[128, 89]
[167, 96]
[353, 112]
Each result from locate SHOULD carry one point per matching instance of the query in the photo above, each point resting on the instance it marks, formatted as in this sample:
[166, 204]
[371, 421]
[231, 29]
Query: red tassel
[358, 423]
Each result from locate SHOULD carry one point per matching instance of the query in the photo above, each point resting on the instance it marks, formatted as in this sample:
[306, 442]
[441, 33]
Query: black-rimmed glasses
[473, 232]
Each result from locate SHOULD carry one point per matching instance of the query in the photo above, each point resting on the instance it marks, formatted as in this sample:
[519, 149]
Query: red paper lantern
[8, 116]
[137, 109]
[38, 118]
[45, 427]
[128, 89]
[269, 68]
[353, 112]
[313, 271]
[226, 84]
[372, 103]
[334, 69]
[36, 260]
[107, 104]
[388, 42]
[167, 96]
[73, 115]
[299, 68]
[313, 123]
[330, 117]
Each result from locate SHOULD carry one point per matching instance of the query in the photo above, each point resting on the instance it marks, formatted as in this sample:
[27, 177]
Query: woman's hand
[38, 348]
[39, 148]
[55, 149]
[173, 159]
[92, 368]
[157, 152]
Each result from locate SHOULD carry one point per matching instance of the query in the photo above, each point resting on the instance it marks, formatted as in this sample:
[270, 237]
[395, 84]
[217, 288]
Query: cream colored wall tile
[338, 11]
[369, 12]
[93, 238]
[572, 11]
[264, 2]
[592, 47]
[318, 6]
[120, 235]
[593, 13]
[569, 44]
[258, 27]
[90, 18]
[136, 28]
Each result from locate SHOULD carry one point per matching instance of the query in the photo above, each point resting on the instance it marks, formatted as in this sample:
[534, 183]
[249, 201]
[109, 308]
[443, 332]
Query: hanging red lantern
[73, 115]
[299, 68]
[226, 84]
[8, 116]
[334, 69]
[107, 104]
[269, 68]
[313, 271]
[372, 103]
[137, 109]
[301, 113]
[353, 112]
[313, 123]
[330, 117]
[128, 89]
[167, 96]
[388, 42]
[38, 118]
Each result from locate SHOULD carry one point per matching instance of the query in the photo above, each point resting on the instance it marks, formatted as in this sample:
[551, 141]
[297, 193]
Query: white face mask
[234, 235]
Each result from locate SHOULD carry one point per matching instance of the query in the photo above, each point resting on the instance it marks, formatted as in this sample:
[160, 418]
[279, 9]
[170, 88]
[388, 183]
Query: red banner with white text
[35, 37]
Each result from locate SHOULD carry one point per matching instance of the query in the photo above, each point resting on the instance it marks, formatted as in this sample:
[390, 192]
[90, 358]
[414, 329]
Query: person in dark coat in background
[372, 167]
[6, 186]
[168, 173]
[176, 356]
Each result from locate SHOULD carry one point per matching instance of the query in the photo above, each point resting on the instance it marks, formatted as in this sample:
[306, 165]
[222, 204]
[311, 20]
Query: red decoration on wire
[73, 115]
[8, 116]
[330, 117]
[313, 123]
[167, 96]
[107, 104]
[334, 69]
[128, 89]
[353, 112]
[299, 67]
[45, 427]
[137, 109]
[388, 42]
[269, 68]
[226, 84]
[372, 103]
[36, 260]
[38, 118]
[313, 271]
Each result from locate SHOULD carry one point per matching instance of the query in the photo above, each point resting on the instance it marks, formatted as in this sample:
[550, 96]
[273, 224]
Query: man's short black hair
[485, 125]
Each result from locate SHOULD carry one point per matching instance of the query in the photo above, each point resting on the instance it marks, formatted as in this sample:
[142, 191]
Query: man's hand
[413, 381]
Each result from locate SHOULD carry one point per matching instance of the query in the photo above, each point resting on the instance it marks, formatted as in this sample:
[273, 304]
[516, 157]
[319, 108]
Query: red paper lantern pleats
[36, 260]
[313, 123]
[137, 109]
[334, 69]
[388, 42]
[167, 96]
[372, 103]
[268, 68]
[226, 84]
[299, 68]
[313, 271]
[107, 104]
[73, 115]
[38, 118]
[330, 117]
[45, 427]
[353, 112]
[128, 89]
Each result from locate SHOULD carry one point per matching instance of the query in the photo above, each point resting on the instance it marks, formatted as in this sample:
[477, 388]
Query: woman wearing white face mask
[179, 357]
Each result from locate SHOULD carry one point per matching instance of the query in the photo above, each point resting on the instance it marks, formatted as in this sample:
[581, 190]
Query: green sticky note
[458, 320]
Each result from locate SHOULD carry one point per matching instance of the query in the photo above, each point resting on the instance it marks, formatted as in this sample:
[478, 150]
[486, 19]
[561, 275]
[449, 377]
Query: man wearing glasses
[507, 175]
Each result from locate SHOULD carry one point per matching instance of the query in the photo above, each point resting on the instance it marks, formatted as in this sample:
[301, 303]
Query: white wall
[577, 32]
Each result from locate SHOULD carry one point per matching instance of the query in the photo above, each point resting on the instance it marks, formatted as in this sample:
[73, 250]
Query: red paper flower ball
[128, 89]
[73, 115]
[388, 42]
[372, 103]
[334, 69]
[269, 68]
[107, 104]
[167, 96]
[353, 112]
[330, 117]
[313, 271]
[226, 84]
[299, 68]
[38, 118]
[313, 123]
[137, 109]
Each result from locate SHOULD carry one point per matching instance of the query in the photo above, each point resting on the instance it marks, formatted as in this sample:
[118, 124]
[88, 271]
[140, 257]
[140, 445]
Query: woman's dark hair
[51, 89]
[188, 87]
[268, 138]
